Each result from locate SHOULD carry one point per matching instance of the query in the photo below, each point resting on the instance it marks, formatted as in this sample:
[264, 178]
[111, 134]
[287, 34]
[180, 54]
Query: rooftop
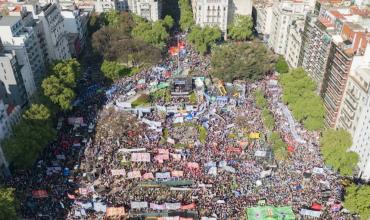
[9, 20]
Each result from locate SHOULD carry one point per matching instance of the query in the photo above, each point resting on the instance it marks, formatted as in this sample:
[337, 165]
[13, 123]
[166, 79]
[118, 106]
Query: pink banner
[163, 151]
[193, 165]
[133, 174]
[140, 157]
[148, 176]
[177, 173]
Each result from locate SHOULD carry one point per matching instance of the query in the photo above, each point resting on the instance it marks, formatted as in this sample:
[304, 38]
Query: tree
[299, 94]
[114, 46]
[334, 148]
[28, 139]
[7, 203]
[203, 38]
[186, 15]
[241, 28]
[153, 33]
[37, 112]
[281, 65]
[111, 18]
[168, 22]
[113, 70]
[279, 147]
[60, 84]
[247, 61]
[357, 200]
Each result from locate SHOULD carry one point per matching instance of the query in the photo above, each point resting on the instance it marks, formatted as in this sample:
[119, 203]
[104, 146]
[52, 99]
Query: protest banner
[140, 157]
[120, 172]
[133, 174]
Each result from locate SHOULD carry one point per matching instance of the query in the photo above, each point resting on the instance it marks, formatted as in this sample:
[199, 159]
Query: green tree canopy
[334, 148]
[7, 203]
[357, 200]
[113, 70]
[37, 112]
[299, 94]
[186, 15]
[281, 65]
[247, 61]
[59, 86]
[111, 18]
[279, 147]
[153, 33]
[168, 22]
[203, 38]
[28, 139]
[241, 28]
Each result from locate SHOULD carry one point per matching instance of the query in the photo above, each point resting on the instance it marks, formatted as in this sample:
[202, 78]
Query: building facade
[294, 44]
[75, 23]
[284, 15]
[23, 41]
[55, 38]
[211, 13]
[11, 79]
[263, 18]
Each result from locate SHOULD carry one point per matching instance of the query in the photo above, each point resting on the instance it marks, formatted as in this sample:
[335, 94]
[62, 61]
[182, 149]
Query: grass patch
[193, 99]
[141, 100]
[202, 134]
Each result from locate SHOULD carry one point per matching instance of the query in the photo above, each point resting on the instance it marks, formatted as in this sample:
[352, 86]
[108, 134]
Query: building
[263, 18]
[334, 37]
[354, 114]
[148, 9]
[211, 13]
[239, 7]
[294, 45]
[105, 5]
[11, 79]
[284, 15]
[75, 23]
[54, 38]
[23, 41]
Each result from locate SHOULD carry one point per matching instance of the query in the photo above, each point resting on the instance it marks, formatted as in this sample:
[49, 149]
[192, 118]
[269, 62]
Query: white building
[23, 41]
[211, 13]
[283, 15]
[11, 79]
[75, 23]
[55, 35]
[294, 44]
[239, 7]
[105, 5]
[354, 113]
[264, 18]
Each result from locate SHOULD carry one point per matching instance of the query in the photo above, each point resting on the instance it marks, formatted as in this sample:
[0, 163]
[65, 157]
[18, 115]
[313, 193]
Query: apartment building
[332, 39]
[354, 113]
[211, 13]
[11, 79]
[263, 18]
[54, 37]
[284, 15]
[16, 37]
[219, 13]
[75, 23]
[294, 43]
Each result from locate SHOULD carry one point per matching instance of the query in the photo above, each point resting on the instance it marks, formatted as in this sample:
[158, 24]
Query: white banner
[120, 172]
[139, 205]
[133, 174]
[126, 150]
[165, 175]
[173, 206]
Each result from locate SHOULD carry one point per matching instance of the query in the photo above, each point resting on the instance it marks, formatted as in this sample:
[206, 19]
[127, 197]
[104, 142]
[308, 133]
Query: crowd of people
[206, 159]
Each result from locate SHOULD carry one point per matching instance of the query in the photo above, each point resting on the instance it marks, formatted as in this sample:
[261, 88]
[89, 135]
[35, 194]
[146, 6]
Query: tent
[270, 212]
[291, 148]
[316, 206]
